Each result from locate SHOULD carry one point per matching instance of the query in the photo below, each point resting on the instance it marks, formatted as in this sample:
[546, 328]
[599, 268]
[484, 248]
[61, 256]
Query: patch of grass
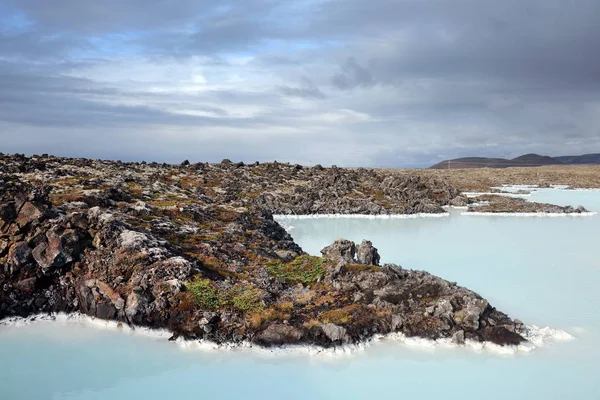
[305, 298]
[60, 199]
[279, 311]
[339, 315]
[324, 299]
[191, 182]
[204, 294]
[304, 269]
[186, 302]
[241, 298]
[135, 189]
[245, 299]
[207, 238]
[311, 323]
[226, 215]
[377, 194]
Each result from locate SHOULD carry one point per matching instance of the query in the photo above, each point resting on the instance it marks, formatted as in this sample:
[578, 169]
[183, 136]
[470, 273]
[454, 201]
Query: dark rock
[28, 213]
[59, 249]
[340, 252]
[367, 254]
[468, 317]
[18, 256]
[280, 334]
[8, 212]
[135, 306]
[501, 335]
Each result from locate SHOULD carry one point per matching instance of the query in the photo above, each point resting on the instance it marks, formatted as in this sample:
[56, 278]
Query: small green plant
[304, 269]
[204, 294]
[246, 300]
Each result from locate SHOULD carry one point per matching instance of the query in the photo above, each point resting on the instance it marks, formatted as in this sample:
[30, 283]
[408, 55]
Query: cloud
[352, 75]
[380, 81]
[307, 90]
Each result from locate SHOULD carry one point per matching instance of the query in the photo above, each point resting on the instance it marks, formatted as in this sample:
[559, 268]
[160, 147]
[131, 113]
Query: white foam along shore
[528, 214]
[477, 194]
[535, 336]
[362, 216]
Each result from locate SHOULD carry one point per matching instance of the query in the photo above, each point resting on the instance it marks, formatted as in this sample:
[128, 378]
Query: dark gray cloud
[389, 82]
[352, 75]
[307, 90]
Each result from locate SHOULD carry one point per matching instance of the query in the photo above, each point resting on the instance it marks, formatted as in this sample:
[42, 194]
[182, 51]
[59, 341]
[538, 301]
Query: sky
[389, 83]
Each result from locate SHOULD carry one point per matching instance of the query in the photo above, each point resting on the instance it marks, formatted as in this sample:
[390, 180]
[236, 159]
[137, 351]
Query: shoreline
[536, 338]
[528, 214]
[361, 216]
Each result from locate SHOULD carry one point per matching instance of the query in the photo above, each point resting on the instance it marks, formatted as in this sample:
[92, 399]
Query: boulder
[18, 256]
[459, 201]
[372, 280]
[135, 306]
[59, 250]
[458, 337]
[367, 254]
[280, 334]
[501, 335]
[112, 294]
[342, 251]
[335, 333]
[8, 212]
[426, 206]
[29, 213]
[468, 316]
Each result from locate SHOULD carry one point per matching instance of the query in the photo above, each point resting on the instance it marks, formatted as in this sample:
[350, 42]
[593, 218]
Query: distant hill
[584, 159]
[526, 160]
[536, 160]
[474, 162]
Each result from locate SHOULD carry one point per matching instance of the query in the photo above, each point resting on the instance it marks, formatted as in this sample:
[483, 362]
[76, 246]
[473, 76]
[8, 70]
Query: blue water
[544, 271]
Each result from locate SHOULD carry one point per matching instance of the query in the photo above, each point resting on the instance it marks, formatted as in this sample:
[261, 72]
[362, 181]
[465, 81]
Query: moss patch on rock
[304, 269]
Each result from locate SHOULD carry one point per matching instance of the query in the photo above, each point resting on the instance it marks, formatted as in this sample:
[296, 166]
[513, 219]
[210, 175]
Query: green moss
[246, 300]
[204, 294]
[304, 269]
[240, 298]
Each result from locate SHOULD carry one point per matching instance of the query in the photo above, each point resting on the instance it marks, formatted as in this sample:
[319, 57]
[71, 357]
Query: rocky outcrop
[505, 204]
[367, 254]
[341, 252]
[279, 188]
[203, 258]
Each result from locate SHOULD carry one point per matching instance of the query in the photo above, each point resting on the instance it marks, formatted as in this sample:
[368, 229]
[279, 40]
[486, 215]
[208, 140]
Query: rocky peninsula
[193, 248]
[499, 204]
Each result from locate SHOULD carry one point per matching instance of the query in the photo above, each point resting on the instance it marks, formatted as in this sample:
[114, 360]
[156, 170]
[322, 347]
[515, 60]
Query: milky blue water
[544, 271]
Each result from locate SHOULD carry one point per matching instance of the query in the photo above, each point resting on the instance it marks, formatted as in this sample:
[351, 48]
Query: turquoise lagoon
[542, 270]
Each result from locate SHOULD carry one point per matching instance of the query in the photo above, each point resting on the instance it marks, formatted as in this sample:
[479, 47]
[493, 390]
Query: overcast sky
[347, 82]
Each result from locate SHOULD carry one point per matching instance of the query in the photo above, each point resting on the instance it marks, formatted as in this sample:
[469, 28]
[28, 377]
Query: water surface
[544, 271]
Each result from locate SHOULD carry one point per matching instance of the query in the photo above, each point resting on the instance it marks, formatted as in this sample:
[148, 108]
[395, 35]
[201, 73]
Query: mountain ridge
[526, 160]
